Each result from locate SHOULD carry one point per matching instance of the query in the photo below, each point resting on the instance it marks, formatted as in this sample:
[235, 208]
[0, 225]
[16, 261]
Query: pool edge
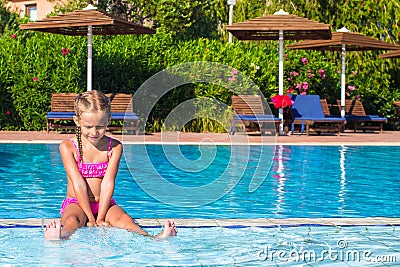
[261, 222]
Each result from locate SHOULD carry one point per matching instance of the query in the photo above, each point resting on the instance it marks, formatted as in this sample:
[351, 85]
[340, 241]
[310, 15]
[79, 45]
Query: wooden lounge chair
[62, 112]
[307, 111]
[356, 116]
[250, 111]
[325, 107]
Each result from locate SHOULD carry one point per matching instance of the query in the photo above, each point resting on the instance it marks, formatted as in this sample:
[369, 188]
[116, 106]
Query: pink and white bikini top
[92, 170]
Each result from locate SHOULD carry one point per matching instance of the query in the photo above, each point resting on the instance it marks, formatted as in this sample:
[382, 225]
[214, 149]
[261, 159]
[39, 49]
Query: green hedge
[33, 65]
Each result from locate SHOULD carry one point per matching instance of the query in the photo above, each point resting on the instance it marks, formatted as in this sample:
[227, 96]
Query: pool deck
[347, 138]
[387, 138]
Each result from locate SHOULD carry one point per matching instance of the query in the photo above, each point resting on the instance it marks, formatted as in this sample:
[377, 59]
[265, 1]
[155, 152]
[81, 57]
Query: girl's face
[93, 125]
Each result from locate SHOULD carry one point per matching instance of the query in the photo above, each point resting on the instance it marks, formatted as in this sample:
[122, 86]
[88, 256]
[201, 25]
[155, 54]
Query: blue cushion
[60, 115]
[70, 115]
[308, 107]
[245, 117]
[371, 118]
[124, 116]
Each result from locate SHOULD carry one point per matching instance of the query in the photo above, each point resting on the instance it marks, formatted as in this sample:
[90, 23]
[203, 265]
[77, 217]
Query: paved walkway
[369, 138]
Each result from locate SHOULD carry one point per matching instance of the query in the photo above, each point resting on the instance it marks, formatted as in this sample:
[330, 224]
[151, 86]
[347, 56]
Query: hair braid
[79, 139]
[90, 101]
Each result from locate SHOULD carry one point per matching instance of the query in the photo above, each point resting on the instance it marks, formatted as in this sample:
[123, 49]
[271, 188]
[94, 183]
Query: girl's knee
[125, 218]
[122, 221]
[72, 221]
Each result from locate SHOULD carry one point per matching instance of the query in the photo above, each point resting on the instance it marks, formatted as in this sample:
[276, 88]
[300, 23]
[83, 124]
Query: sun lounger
[307, 112]
[356, 116]
[325, 107]
[62, 112]
[250, 111]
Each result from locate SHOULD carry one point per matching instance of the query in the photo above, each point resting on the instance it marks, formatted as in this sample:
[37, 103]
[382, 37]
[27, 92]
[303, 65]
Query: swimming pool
[301, 181]
[353, 182]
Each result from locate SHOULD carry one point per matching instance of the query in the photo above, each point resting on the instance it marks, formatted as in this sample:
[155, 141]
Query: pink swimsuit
[89, 170]
[92, 170]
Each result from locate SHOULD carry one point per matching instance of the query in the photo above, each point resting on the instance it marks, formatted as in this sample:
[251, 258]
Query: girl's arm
[78, 182]
[108, 182]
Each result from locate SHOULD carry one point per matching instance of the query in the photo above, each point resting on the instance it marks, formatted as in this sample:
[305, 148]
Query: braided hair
[90, 101]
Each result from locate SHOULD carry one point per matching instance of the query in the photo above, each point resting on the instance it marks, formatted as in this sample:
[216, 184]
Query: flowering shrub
[351, 89]
[232, 74]
[299, 81]
[306, 78]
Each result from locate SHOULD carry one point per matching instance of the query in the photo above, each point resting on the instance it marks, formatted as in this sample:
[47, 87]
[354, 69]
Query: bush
[34, 65]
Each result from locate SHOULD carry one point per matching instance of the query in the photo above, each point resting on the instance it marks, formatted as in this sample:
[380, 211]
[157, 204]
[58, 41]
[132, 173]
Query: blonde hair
[90, 101]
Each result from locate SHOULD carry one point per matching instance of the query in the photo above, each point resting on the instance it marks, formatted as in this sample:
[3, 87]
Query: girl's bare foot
[169, 229]
[53, 231]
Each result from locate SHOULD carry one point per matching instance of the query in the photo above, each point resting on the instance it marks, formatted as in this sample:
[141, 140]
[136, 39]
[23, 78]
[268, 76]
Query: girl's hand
[91, 224]
[102, 223]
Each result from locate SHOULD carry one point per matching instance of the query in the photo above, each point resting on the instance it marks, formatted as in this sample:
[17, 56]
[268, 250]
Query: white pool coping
[260, 222]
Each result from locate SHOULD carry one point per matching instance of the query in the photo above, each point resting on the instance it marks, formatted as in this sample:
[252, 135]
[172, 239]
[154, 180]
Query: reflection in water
[279, 168]
[342, 191]
[304, 181]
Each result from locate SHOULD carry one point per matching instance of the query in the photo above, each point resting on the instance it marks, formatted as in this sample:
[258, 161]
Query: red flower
[322, 73]
[65, 51]
[304, 60]
[8, 112]
[13, 36]
[35, 79]
[281, 101]
[290, 90]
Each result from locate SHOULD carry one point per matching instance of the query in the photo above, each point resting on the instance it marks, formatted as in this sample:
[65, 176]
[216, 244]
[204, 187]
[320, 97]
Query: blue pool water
[215, 246]
[212, 182]
[300, 181]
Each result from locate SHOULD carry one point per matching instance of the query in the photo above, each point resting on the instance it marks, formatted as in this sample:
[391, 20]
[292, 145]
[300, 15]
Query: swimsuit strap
[109, 148]
[77, 150]
[79, 155]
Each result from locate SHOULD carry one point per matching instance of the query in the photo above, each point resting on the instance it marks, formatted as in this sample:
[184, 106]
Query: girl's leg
[117, 217]
[72, 219]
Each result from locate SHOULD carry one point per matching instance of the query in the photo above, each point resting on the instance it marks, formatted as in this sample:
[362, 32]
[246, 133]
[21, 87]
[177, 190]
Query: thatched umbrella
[280, 26]
[391, 54]
[344, 40]
[88, 21]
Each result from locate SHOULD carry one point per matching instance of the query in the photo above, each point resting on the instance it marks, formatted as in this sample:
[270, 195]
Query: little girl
[91, 162]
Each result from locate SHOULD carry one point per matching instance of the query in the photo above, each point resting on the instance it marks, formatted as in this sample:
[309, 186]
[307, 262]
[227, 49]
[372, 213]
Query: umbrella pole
[89, 60]
[281, 77]
[343, 83]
